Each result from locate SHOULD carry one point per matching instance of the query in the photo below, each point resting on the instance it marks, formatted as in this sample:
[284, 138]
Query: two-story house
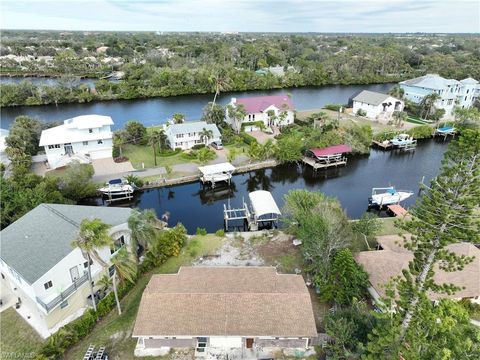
[44, 272]
[81, 138]
[188, 134]
[277, 110]
[452, 92]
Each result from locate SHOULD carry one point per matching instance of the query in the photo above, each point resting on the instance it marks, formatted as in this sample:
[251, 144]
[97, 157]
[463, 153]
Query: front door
[68, 149]
[249, 343]
[74, 273]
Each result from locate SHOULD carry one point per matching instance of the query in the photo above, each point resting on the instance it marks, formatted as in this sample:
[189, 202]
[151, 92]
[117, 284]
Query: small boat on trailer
[118, 189]
[387, 196]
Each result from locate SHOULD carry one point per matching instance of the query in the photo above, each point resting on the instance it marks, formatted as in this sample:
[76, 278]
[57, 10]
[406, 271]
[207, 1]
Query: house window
[253, 117]
[249, 117]
[57, 146]
[48, 285]
[64, 304]
[198, 142]
[449, 102]
[85, 143]
[90, 131]
[85, 264]
[100, 142]
[117, 244]
[111, 270]
[50, 146]
[179, 136]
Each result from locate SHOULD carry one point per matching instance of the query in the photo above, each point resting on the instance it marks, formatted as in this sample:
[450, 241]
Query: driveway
[107, 166]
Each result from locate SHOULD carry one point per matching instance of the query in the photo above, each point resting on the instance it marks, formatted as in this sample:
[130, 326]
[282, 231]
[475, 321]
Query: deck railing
[64, 294]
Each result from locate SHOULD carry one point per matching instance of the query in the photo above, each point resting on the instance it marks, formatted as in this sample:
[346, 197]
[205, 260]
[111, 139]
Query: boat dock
[211, 174]
[264, 211]
[407, 147]
[383, 145]
[445, 132]
[397, 210]
[323, 165]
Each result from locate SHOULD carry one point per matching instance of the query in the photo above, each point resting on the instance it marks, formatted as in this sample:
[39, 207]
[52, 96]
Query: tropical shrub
[133, 179]
[421, 132]
[333, 107]
[201, 231]
[220, 233]
[361, 112]
[247, 139]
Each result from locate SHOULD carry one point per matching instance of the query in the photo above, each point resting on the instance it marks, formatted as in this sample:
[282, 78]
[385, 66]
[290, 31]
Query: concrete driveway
[107, 166]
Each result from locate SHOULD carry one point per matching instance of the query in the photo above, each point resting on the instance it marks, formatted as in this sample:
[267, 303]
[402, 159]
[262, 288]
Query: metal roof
[332, 150]
[371, 97]
[37, 241]
[263, 203]
[431, 81]
[216, 168]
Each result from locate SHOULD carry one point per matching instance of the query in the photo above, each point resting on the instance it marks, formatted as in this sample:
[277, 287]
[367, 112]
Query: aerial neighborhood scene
[227, 180]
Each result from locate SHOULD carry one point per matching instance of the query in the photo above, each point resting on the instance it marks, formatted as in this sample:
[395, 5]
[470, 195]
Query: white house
[377, 106]
[188, 134]
[452, 92]
[245, 312]
[258, 108]
[42, 270]
[81, 138]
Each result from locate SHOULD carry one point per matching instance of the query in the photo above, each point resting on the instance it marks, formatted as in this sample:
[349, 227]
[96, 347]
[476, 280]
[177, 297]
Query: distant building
[41, 268]
[245, 312]
[452, 92]
[81, 138]
[377, 106]
[188, 134]
[257, 109]
[381, 265]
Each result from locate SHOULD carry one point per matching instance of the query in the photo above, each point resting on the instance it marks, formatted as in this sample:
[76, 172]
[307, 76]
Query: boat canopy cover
[445, 129]
[391, 191]
[331, 150]
[115, 181]
[216, 168]
[263, 203]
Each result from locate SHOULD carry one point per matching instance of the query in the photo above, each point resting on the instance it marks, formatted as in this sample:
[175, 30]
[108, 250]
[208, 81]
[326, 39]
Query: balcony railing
[64, 294]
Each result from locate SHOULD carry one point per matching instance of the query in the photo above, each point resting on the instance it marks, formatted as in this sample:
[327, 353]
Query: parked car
[217, 145]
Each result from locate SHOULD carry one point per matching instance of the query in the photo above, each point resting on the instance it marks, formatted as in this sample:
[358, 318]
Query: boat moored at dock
[387, 196]
[118, 189]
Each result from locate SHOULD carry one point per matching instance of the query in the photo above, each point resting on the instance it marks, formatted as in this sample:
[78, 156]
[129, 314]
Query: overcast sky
[244, 15]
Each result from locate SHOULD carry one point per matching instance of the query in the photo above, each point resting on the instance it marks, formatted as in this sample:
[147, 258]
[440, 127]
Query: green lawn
[389, 228]
[17, 338]
[115, 331]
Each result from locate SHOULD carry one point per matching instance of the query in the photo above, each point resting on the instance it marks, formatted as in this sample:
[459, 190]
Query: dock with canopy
[216, 173]
[326, 157]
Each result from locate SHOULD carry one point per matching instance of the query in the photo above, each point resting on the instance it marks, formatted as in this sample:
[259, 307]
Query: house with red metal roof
[277, 110]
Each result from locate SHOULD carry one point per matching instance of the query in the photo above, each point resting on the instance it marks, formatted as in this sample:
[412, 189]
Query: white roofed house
[81, 138]
[188, 134]
[3, 156]
[41, 269]
[377, 106]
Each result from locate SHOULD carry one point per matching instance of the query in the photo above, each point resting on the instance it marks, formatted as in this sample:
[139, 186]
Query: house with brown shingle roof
[381, 265]
[242, 309]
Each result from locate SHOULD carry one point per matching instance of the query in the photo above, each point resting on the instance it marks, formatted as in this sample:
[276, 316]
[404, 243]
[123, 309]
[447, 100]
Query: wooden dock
[340, 161]
[382, 145]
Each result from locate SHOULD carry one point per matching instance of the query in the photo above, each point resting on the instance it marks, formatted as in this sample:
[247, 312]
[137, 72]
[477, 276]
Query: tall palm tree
[220, 82]
[153, 140]
[205, 135]
[428, 103]
[125, 268]
[397, 92]
[162, 139]
[142, 227]
[93, 235]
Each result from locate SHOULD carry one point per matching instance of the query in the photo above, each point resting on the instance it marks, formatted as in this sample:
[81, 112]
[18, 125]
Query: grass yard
[388, 227]
[115, 331]
[17, 339]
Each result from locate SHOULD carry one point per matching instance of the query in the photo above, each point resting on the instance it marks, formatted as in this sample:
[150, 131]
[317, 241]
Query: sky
[444, 16]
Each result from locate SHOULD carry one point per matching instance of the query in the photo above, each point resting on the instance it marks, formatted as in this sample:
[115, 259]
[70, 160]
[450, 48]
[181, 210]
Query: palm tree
[428, 103]
[237, 113]
[205, 135]
[162, 139]
[119, 140]
[142, 227]
[93, 235]
[220, 83]
[153, 140]
[397, 92]
[178, 118]
[125, 268]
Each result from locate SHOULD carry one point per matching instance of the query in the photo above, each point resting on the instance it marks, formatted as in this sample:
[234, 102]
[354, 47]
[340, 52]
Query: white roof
[216, 168]
[67, 133]
[191, 127]
[263, 203]
[431, 81]
[469, 80]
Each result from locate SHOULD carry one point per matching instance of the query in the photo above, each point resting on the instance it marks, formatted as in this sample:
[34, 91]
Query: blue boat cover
[391, 191]
[445, 129]
[115, 181]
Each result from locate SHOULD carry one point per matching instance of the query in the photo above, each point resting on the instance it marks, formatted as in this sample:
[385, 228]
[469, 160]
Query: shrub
[361, 112]
[333, 107]
[169, 152]
[201, 231]
[168, 169]
[247, 139]
[136, 133]
[193, 247]
[220, 232]
[258, 124]
[115, 152]
[421, 132]
[198, 146]
[205, 155]
[132, 179]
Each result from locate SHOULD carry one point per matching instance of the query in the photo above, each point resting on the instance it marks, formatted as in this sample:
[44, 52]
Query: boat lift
[212, 174]
[326, 157]
[445, 131]
[263, 210]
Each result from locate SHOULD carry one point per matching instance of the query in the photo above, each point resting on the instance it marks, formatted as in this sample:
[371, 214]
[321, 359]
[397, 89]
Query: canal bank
[195, 206]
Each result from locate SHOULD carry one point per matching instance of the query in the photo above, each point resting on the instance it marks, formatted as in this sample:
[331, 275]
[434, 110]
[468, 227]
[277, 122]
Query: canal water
[195, 207]
[155, 111]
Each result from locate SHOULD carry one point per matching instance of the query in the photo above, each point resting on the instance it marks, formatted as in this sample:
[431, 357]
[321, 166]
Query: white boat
[402, 140]
[388, 196]
[117, 187]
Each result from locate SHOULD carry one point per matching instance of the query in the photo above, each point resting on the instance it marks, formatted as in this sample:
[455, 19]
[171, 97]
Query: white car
[217, 145]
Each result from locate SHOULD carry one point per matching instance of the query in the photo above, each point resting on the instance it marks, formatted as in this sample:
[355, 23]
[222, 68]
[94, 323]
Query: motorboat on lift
[402, 140]
[117, 187]
[388, 196]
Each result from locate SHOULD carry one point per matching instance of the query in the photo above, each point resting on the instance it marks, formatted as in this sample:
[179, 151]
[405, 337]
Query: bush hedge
[198, 146]
[333, 107]
[258, 124]
[247, 139]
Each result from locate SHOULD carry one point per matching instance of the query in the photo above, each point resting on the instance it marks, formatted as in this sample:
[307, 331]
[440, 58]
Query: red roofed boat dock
[326, 157]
